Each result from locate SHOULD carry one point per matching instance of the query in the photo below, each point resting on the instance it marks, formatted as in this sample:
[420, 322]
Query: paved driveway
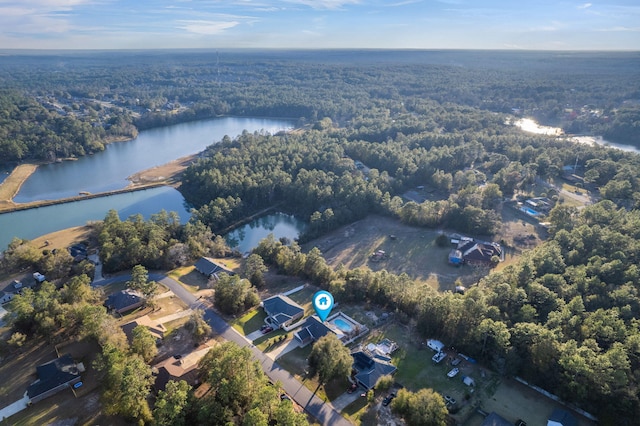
[14, 408]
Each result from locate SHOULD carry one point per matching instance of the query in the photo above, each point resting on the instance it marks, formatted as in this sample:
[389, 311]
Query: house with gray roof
[53, 377]
[312, 330]
[282, 311]
[369, 369]
[209, 268]
[123, 301]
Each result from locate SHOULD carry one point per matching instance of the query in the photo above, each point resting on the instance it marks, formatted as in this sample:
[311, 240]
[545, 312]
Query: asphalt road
[323, 412]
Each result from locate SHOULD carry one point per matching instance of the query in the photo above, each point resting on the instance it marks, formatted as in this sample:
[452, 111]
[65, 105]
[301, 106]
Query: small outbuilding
[435, 345]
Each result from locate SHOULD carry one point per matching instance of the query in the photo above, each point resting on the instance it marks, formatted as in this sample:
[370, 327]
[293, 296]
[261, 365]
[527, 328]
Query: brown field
[65, 238]
[413, 251]
[11, 185]
[167, 173]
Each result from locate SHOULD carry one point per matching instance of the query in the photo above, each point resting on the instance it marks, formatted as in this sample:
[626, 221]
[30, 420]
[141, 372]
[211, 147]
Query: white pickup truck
[38, 277]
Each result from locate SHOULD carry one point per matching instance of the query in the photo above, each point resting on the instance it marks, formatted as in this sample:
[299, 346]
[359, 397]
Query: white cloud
[620, 29]
[404, 3]
[585, 6]
[206, 27]
[324, 4]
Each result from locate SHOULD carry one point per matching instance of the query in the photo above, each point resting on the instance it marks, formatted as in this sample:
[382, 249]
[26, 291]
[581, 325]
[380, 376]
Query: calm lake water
[108, 170]
[29, 224]
[247, 237]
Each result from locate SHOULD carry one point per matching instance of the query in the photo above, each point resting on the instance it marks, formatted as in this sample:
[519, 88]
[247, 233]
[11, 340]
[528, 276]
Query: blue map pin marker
[323, 303]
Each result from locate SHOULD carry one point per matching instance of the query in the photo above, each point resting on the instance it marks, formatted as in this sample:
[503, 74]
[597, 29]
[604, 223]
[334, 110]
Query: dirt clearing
[406, 249]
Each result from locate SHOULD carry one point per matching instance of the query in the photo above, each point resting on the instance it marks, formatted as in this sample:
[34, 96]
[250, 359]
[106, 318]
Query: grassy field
[249, 322]
[191, 279]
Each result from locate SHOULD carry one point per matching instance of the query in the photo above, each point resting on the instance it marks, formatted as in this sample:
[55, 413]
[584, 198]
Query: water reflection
[281, 225]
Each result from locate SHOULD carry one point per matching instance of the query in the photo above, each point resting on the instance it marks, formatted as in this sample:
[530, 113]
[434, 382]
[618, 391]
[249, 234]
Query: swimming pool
[342, 325]
[529, 211]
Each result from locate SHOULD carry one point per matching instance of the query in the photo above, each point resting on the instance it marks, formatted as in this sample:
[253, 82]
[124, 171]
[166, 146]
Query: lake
[29, 224]
[247, 237]
[108, 170]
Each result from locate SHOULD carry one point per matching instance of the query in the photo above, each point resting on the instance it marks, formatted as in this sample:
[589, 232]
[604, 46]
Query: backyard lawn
[249, 322]
[191, 279]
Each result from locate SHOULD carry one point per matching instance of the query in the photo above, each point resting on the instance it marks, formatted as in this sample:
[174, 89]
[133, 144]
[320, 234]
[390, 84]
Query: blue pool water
[342, 325]
[529, 211]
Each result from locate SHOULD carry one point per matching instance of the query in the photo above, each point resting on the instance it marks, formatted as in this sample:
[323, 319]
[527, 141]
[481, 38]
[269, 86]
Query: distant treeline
[98, 92]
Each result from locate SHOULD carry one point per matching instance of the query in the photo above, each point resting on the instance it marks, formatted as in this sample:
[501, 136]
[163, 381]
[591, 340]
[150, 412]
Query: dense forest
[87, 99]
[564, 317]
[375, 125]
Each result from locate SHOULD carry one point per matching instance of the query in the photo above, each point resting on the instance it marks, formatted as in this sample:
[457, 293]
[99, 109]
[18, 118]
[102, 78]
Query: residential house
[209, 268]
[53, 377]
[561, 417]
[476, 252]
[282, 311]
[185, 368]
[156, 329]
[124, 300]
[312, 330]
[369, 369]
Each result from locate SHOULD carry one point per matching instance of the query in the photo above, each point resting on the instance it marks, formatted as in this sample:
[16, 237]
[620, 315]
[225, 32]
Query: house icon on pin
[323, 301]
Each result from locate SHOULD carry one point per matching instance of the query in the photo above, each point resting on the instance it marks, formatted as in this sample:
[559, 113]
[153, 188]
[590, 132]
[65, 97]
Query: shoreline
[13, 207]
[12, 184]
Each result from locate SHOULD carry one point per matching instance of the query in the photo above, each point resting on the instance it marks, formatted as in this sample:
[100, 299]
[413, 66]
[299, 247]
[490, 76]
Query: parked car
[453, 373]
[439, 357]
[388, 399]
[267, 329]
[456, 361]
[284, 396]
[38, 277]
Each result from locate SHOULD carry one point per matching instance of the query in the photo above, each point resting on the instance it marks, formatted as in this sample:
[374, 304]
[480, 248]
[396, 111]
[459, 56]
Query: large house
[53, 377]
[312, 330]
[369, 369]
[475, 252]
[182, 368]
[156, 329]
[282, 311]
[123, 301]
[209, 268]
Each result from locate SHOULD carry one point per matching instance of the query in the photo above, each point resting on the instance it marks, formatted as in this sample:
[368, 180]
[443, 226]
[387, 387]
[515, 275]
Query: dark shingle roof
[53, 374]
[122, 300]
[281, 308]
[313, 328]
[208, 267]
[370, 370]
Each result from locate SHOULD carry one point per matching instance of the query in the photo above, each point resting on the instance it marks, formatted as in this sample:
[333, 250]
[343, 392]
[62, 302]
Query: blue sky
[427, 24]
